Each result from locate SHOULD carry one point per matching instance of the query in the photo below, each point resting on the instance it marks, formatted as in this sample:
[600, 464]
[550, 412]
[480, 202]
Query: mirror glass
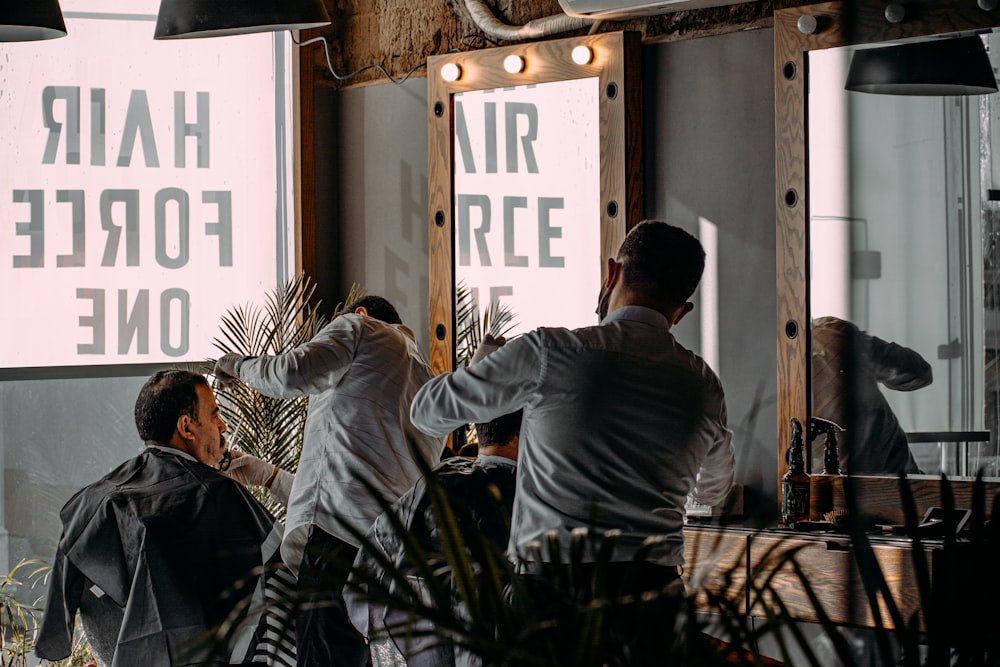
[534, 174]
[904, 216]
[527, 200]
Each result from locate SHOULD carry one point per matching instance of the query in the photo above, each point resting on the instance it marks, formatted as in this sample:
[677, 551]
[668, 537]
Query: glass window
[145, 189]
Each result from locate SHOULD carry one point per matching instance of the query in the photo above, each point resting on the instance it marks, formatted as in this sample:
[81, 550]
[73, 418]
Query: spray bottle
[826, 491]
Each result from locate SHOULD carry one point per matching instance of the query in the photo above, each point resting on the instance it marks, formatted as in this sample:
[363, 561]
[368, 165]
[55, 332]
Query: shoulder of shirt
[363, 325]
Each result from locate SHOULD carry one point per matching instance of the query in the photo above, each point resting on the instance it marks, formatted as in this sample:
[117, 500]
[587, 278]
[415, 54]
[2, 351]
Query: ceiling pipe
[483, 17]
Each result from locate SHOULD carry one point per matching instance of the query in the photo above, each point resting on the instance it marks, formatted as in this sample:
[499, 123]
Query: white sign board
[527, 200]
[143, 188]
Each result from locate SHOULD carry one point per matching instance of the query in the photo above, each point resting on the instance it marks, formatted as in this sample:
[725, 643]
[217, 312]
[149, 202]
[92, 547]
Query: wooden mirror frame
[615, 63]
[827, 25]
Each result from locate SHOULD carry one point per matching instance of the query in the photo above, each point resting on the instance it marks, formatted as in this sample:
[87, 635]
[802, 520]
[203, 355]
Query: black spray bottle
[826, 493]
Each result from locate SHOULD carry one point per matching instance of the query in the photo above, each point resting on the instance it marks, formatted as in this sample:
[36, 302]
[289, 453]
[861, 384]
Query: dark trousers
[325, 636]
[634, 622]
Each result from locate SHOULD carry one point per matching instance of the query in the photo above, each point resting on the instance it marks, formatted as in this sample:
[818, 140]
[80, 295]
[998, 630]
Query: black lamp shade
[183, 19]
[958, 66]
[30, 20]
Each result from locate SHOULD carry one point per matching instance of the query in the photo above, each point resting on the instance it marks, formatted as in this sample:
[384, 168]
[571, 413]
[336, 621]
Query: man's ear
[679, 314]
[184, 427]
[613, 271]
[361, 310]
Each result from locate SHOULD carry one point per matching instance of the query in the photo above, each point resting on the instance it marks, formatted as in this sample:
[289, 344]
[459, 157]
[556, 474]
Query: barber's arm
[899, 367]
[493, 385]
[249, 470]
[310, 368]
[227, 368]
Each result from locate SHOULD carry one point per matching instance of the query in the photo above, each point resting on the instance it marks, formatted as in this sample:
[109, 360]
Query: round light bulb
[513, 64]
[451, 72]
[582, 55]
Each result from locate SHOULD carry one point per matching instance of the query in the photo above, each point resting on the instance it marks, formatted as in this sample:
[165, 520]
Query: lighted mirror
[534, 178]
[904, 199]
[887, 210]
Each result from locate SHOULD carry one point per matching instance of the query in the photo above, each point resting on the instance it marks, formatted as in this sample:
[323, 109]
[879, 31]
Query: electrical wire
[345, 77]
[469, 42]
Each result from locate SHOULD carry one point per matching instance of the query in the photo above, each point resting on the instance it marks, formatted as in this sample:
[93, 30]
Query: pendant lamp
[30, 20]
[184, 19]
[957, 66]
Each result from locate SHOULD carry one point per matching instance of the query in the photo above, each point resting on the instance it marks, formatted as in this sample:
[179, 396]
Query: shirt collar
[638, 314]
[172, 450]
[492, 458]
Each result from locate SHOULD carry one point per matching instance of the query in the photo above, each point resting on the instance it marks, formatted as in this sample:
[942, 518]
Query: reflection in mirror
[904, 217]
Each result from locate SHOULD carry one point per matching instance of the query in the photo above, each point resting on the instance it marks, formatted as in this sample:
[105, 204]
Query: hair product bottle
[795, 482]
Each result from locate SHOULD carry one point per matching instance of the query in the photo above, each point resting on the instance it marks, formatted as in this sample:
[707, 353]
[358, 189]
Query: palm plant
[497, 319]
[19, 621]
[467, 593]
[270, 428]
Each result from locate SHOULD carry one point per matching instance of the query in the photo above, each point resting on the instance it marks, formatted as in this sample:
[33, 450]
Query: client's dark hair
[163, 399]
[377, 307]
[662, 261]
[500, 430]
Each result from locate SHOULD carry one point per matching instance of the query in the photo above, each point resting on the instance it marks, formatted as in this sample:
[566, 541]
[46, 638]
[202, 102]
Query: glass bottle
[795, 482]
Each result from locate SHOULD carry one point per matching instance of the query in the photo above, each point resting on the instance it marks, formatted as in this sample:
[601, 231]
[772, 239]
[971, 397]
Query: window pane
[145, 189]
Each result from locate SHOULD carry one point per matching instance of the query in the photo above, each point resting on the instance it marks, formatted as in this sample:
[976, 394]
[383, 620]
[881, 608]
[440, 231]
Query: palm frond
[496, 319]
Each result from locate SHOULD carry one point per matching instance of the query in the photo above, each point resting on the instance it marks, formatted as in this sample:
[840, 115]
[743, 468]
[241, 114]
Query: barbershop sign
[142, 189]
[526, 172]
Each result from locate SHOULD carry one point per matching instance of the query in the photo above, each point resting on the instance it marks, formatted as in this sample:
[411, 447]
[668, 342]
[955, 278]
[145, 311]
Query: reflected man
[847, 367]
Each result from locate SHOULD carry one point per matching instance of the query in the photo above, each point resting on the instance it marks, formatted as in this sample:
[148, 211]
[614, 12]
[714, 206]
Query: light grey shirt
[621, 424]
[360, 375]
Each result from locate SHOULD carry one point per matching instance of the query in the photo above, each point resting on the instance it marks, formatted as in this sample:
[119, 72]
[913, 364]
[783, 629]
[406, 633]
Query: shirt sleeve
[899, 367]
[718, 469]
[310, 368]
[715, 479]
[498, 385]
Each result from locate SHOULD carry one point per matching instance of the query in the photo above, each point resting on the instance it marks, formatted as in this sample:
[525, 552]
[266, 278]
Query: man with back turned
[621, 424]
[360, 373]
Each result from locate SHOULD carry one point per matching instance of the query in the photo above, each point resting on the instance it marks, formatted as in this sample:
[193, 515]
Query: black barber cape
[157, 554]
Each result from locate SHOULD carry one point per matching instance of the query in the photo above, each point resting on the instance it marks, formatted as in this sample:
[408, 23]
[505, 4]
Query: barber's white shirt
[621, 423]
[360, 375]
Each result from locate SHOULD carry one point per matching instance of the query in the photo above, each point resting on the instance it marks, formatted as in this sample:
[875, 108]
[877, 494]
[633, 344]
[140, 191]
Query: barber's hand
[249, 470]
[227, 368]
[281, 487]
[488, 346]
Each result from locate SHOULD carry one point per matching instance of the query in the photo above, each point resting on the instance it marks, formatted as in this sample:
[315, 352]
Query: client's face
[208, 427]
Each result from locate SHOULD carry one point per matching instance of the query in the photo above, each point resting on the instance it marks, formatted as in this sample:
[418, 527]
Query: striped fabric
[267, 636]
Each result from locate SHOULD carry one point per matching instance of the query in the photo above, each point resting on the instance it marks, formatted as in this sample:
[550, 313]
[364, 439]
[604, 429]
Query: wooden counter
[749, 571]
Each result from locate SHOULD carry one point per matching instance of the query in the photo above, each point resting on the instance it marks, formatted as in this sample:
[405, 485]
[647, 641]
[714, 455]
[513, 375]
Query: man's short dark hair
[500, 430]
[662, 261]
[163, 399]
[377, 307]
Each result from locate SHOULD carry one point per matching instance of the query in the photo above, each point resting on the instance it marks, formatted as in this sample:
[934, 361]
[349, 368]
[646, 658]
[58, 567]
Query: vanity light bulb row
[514, 64]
